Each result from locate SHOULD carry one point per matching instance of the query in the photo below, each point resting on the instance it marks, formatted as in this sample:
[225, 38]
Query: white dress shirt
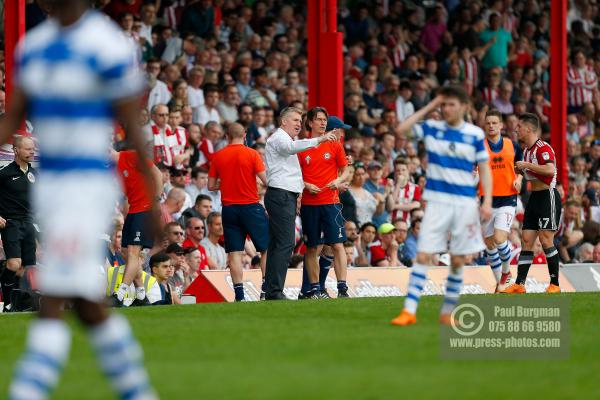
[283, 167]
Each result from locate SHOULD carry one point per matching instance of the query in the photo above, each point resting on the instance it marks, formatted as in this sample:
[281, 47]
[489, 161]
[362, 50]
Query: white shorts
[74, 210]
[456, 224]
[502, 219]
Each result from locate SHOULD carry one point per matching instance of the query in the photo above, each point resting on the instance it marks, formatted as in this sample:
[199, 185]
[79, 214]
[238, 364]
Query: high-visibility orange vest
[502, 166]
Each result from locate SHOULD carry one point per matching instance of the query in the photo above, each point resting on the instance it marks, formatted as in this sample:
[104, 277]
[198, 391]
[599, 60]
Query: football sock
[315, 287]
[453, 286]
[48, 345]
[121, 358]
[553, 264]
[505, 253]
[8, 281]
[525, 260]
[493, 258]
[263, 287]
[416, 283]
[324, 266]
[342, 285]
[238, 288]
[305, 288]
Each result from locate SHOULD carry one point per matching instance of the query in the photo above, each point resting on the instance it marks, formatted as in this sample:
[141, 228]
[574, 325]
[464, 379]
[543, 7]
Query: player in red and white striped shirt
[406, 195]
[468, 66]
[543, 210]
[581, 81]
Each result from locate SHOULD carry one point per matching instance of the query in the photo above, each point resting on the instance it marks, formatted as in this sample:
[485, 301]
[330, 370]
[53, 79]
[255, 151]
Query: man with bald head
[233, 171]
[173, 204]
[16, 226]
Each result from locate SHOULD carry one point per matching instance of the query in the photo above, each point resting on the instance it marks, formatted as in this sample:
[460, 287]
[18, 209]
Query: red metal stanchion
[558, 87]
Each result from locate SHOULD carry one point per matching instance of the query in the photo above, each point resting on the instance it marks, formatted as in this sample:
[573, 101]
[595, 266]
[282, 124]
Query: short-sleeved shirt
[133, 182]
[15, 186]
[320, 165]
[541, 153]
[236, 166]
[497, 54]
[452, 153]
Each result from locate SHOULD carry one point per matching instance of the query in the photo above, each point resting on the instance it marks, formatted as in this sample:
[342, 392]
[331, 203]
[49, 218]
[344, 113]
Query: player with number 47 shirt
[544, 207]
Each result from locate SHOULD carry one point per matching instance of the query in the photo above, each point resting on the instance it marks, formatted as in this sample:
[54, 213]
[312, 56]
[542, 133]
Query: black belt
[283, 190]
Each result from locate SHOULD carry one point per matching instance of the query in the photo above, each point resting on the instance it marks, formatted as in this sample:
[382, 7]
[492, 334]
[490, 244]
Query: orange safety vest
[502, 166]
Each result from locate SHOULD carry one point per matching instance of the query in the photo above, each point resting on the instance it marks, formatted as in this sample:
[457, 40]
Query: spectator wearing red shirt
[384, 253]
[233, 170]
[324, 172]
[194, 233]
[137, 233]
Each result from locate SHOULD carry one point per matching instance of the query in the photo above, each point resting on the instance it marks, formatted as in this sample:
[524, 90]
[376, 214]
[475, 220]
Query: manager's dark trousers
[281, 207]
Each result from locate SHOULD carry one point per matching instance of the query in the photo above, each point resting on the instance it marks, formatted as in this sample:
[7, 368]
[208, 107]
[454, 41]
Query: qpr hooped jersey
[541, 153]
[452, 154]
[71, 77]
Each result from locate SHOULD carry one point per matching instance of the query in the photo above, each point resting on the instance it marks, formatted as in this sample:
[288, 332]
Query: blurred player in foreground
[454, 148]
[506, 186]
[74, 72]
[542, 213]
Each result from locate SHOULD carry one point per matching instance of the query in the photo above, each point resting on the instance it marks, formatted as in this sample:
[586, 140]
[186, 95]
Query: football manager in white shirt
[284, 186]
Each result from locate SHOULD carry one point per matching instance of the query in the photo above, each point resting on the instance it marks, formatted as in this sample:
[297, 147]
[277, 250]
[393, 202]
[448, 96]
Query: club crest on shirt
[327, 156]
[452, 147]
[31, 177]
[546, 155]
[307, 159]
[125, 173]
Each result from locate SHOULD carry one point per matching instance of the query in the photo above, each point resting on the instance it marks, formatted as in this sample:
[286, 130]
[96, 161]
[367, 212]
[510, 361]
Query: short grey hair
[289, 110]
[582, 249]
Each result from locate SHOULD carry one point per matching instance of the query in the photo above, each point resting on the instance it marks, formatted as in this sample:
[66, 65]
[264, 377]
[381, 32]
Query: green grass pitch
[332, 349]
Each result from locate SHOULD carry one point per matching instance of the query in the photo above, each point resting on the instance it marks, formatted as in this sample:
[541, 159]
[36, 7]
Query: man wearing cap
[324, 172]
[284, 185]
[384, 253]
[181, 278]
[233, 171]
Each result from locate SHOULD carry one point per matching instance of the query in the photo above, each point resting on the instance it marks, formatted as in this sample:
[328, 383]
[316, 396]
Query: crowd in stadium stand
[213, 62]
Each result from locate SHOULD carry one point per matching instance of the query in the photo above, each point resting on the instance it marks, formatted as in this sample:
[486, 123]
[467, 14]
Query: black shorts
[543, 211]
[18, 239]
[136, 230]
[323, 224]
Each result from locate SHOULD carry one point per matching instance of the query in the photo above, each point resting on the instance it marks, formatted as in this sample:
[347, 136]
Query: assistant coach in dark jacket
[16, 224]
[284, 185]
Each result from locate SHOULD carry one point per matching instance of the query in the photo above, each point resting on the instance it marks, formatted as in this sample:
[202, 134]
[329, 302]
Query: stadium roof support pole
[558, 86]
[325, 63]
[14, 28]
